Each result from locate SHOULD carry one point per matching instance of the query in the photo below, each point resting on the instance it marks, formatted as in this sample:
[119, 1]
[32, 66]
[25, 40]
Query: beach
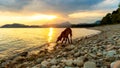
[97, 51]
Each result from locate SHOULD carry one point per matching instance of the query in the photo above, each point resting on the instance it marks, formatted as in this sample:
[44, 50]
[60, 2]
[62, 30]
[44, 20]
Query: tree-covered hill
[112, 18]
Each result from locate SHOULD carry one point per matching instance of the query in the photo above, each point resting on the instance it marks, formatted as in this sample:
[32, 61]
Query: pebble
[45, 63]
[99, 63]
[99, 54]
[36, 66]
[92, 55]
[70, 67]
[115, 64]
[70, 47]
[53, 61]
[78, 62]
[54, 66]
[5, 63]
[39, 60]
[89, 64]
[69, 62]
[77, 54]
[111, 53]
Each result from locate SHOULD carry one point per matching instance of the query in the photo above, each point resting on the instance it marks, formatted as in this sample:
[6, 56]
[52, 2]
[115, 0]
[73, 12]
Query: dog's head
[59, 38]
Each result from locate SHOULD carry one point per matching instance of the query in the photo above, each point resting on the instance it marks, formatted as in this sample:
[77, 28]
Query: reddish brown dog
[64, 36]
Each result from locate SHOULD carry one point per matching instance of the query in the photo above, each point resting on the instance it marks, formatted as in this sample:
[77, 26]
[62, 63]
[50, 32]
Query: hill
[86, 24]
[111, 18]
[16, 25]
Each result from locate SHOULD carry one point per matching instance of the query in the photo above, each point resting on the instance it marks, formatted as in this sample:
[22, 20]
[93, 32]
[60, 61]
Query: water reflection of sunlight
[50, 34]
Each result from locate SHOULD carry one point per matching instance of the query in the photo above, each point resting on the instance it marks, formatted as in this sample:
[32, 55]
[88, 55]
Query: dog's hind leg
[71, 39]
[68, 40]
[65, 40]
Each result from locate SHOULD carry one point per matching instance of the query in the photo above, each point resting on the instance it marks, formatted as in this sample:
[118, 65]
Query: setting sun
[43, 17]
[26, 19]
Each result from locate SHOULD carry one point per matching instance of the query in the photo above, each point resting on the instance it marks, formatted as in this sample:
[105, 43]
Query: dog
[64, 36]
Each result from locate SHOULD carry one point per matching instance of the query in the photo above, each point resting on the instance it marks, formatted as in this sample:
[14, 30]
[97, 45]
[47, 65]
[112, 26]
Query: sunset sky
[38, 12]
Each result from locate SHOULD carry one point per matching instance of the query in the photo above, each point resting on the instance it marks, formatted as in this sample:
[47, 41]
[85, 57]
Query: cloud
[107, 5]
[96, 12]
[61, 6]
[73, 10]
[87, 14]
[71, 5]
[13, 5]
[57, 6]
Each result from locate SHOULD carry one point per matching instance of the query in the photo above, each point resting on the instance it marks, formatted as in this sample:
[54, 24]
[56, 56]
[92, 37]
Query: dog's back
[68, 31]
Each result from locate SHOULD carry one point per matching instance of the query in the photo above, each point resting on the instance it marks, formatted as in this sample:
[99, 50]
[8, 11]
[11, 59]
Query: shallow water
[15, 40]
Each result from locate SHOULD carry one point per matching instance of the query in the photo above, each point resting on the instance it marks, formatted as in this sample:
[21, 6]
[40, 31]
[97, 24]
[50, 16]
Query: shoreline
[81, 50]
[43, 45]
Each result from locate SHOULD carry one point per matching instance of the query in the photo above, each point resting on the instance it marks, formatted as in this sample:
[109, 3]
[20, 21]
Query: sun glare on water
[50, 34]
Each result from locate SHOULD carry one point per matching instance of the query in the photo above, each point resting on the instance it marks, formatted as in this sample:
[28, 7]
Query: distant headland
[17, 25]
[62, 25]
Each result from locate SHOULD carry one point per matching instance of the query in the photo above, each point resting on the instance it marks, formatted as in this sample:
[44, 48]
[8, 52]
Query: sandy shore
[89, 52]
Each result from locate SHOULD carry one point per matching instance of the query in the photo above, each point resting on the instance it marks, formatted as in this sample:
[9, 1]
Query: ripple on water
[13, 40]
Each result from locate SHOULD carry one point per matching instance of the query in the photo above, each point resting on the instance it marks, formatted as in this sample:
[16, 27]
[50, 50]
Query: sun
[43, 17]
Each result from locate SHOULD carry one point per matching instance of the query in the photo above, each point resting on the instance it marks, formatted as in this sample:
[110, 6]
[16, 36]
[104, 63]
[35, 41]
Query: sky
[38, 12]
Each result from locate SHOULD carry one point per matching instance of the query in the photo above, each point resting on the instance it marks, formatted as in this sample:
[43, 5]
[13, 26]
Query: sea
[15, 40]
